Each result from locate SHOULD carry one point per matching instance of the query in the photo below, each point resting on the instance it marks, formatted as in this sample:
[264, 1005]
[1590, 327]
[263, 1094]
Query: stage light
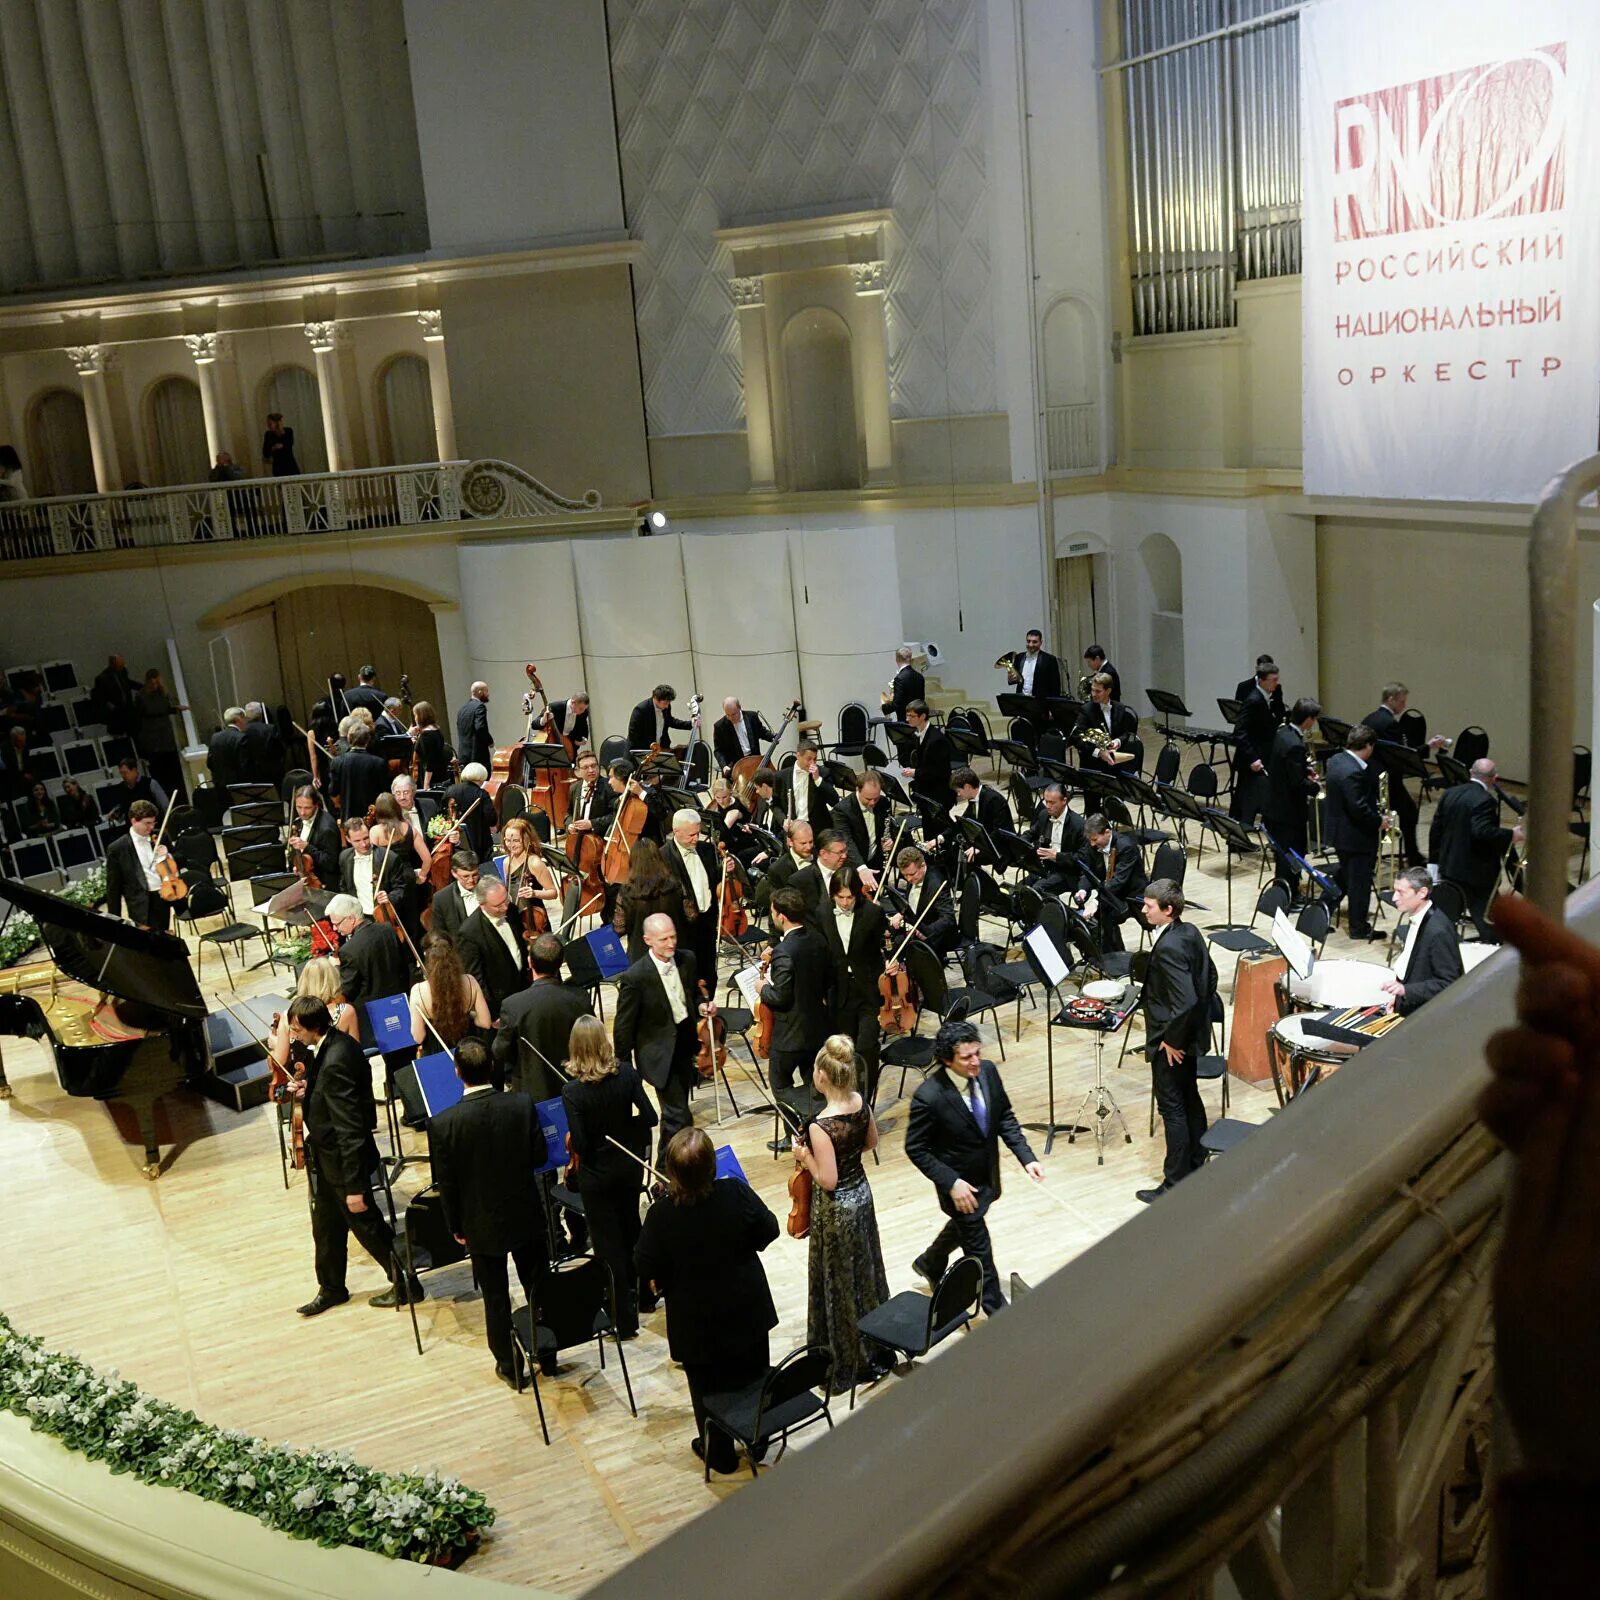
[657, 520]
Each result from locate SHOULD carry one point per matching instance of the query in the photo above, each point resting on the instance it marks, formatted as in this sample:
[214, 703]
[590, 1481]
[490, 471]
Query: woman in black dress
[651, 887]
[433, 763]
[603, 1102]
[700, 1249]
[77, 808]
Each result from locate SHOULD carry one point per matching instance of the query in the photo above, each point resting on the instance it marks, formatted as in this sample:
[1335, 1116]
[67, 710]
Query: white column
[324, 337]
[872, 366]
[91, 361]
[207, 349]
[750, 298]
[444, 417]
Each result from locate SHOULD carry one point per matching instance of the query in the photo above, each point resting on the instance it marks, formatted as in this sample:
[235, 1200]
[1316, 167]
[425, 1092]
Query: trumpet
[1389, 831]
[1006, 663]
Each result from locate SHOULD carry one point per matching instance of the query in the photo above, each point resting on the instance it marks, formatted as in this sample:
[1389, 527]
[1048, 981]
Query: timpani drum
[1305, 1051]
[1333, 985]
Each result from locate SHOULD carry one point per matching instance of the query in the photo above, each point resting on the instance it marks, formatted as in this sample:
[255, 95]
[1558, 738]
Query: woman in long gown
[846, 1273]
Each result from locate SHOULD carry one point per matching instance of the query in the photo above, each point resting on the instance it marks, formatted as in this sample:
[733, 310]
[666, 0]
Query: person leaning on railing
[1544, 1104]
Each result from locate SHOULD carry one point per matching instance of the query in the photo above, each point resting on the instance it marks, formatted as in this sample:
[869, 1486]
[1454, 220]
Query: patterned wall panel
[735, 111]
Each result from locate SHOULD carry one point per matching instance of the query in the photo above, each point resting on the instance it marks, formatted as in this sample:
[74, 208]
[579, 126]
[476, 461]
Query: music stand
[897, 792]
[896, 730]
[838, 773]
[979, 836]
[965, 742]
[1169, 706]
[396, 747]
[1230, 710]
[1063, 710]
[872, 757]
[1052, 969]
[1015, 752]
[1021, 706]
[1098, 1095]
[1233, 838]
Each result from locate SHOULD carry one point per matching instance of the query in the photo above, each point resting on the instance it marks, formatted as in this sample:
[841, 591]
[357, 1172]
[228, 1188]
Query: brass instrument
[1101, 740]
[1005, 662]
[1085, 683]
[1388, 835]
[886, 696]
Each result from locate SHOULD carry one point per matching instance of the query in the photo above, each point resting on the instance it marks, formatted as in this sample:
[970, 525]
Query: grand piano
[119, 1006]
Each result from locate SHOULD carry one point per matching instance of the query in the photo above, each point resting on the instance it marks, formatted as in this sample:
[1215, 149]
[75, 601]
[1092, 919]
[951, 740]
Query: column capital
[432, 325]
[207, 347]
[92, 360]
[748, 293]
[323, 336]
[868, 277]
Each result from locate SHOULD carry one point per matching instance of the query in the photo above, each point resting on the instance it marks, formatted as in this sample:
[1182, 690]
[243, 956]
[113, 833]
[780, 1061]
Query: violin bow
[567, 1078]
[911, 931]
[796, 1126]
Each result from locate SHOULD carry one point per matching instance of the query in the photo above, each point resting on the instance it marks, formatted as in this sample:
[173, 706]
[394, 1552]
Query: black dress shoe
[506, 1375]
[780, 1147]
[1373, 937]
[394, 1295]
[924, 1270]
[322, 1301]
[1149, 1195]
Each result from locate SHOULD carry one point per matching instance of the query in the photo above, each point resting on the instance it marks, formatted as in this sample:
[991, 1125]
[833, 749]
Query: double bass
[549, 790]
[742, 776]
[586, 849]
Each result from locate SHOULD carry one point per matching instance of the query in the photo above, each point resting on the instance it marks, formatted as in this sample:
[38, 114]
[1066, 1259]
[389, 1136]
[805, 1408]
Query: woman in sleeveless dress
[529, 882]
[846, 1273]
[449, 998]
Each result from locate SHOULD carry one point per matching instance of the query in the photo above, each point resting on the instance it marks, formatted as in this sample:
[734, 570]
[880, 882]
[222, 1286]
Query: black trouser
[969, 1233]
[700, 938]
[1287, 835]
[1477, 903]
[158, 913]
[332, 1222]
[611, 1208]
[489, 1268]
[860, 1021]
[1249, 791]
[731, 1371]
[1183, 1114]
[673, 1095]
[1354, 878]
[1406, 814]
[166, 767]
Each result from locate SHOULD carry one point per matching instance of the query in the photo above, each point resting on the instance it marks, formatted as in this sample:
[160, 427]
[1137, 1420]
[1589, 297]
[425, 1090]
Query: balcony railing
[277, 508]
[1072, 435]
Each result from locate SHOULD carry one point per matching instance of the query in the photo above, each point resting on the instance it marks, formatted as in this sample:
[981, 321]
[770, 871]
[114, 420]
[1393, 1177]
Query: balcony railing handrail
[149, 491]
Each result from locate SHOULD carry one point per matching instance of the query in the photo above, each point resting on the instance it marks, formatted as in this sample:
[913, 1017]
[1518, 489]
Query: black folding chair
[791, 1395]
[911, 1323]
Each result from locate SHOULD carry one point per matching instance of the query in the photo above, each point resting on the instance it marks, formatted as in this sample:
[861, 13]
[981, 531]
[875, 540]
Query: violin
[733, 920]
[713, 1035]
[574, 1166]
[535, 918]
[763, 1039]
[304, 865]
[383, 910]
[282, 1077]
[173, 887]
[901, 1002]
[801, 1191]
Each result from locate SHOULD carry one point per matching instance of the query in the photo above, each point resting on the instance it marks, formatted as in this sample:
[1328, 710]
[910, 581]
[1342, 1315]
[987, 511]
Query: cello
[585, 849]
[546, 791]
[627, 823]
[742, 777]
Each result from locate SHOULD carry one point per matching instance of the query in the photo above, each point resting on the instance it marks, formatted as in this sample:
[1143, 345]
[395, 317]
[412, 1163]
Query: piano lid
[106, 953]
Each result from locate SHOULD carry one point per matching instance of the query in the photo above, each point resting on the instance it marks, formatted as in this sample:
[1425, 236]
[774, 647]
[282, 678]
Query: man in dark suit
[313, 833]
[593, 799]
[1038, 672]
[796, 857]
[655, 1027]
[570, 718]
[474, 808]
[536, 1024]
[372, 961]
[855, 931]
[1468, 845]
[366, 693]
[358, 777]
[1430, 958]
[1111, 878]
[1385, 724]
[1253, 730]
[738, 733]
[474, 744]
[222, 749]
[1178, 985]
[131, 878]
[959, 1115]
[1242, 692]
[830, 851]
[454, 903]
[864, 818]
[262, 757]
[929, 905]
[485, 1151]
[391, 722]
[804, 792]
[1351, 824]
[341, 1156]
[1104, 714]
[135, 785]
[693, 862]
[908, 685]
[1094, 661]
[492, 947]
[1292, 783]
[1056, 835]
[986, 806]
[931, 760]
[113, 693]
[375, 874]
[796, 990]
[651, 721]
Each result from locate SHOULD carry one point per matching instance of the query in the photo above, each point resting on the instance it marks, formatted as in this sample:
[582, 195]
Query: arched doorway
[59, 460]
[405, 404]
[175, 432]
[293, 391]
[1163, 574]
[1071, 388]
[819, 386]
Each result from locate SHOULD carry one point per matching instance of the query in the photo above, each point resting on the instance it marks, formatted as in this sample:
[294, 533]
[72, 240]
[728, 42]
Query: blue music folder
[553, 1122]
[436, 1077]
[390, 1020]
[728, 1164]
[609, 955]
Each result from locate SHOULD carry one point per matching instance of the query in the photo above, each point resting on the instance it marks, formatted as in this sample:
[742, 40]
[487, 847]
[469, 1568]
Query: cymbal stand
[1102, 1100]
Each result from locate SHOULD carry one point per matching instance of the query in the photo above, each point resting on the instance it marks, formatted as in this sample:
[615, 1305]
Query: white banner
[1451, 288]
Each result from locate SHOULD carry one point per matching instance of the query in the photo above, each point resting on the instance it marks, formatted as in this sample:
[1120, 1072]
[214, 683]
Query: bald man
[1467, 843]
[738, 733]
[473, 740]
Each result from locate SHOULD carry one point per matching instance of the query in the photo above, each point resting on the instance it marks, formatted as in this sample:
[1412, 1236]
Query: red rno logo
[1489, 141]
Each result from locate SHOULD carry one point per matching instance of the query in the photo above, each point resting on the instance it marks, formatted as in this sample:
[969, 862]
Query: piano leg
[5, 1088]
[144, 1108]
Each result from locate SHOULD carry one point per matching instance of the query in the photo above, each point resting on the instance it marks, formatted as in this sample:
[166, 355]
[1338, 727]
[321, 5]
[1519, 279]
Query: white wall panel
[635, 623]
[741, 622]
[847, 617]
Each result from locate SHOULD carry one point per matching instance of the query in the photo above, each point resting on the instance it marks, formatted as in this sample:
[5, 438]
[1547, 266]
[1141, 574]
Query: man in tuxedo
[592, 799]
[1351, 824]
[1111, 880]
[959, 1115]
[1178, 987]
[1292, 783]
[536, 1024]
[830, 851]
[931, 760]
[1056, 836]
[855, 931]
[863, 817]
[908, 685]
[262, 757]
[222, 749]
[372, 961]
[1104, 713]
[651, 721]
[358, 777]
[376, 875]
[1385, 724]
[485, 1151]
[571, 718]
[457, 900]
[113, 692]
[928, 901]
[474, 745]
[985, 805]
[131, 877]
[1468, 845]
[392, 722]
[1241, 692]
[341, 1156]
[804, 793]
[492, 948]
[1094, 662]
[1253, 730]
[796, 990]
[738, 733]
[474, 809]
[693, 862]
[366, 693]
[1430, 959]
[1039, 673]
[655, 1027]
[798, 839]
[315, 834]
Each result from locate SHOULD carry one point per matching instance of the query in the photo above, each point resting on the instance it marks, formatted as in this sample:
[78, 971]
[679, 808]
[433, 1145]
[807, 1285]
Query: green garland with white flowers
[323, 1494]
[21, 932]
